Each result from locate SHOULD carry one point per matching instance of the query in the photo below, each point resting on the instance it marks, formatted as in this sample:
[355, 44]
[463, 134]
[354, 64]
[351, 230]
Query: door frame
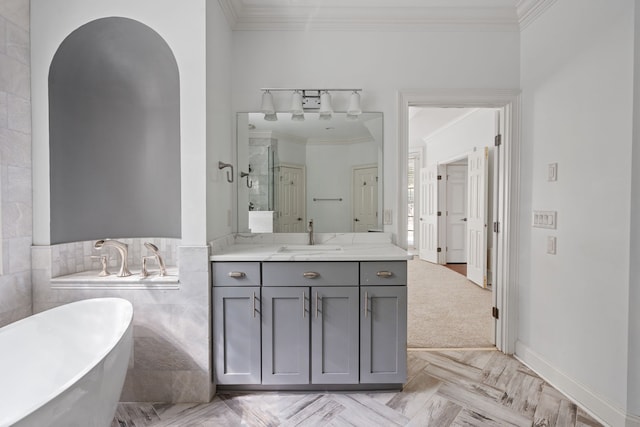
[508, 191]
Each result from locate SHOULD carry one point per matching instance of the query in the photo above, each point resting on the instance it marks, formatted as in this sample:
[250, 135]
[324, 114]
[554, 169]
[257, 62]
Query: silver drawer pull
[254, 305]
[366, 304]
[310, 274]
[385, 274]
[236, 274]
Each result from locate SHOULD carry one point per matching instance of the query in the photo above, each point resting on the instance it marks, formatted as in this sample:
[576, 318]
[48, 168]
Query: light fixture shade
[297, 117]
[296, 103]
[354, 105]
[268, 107]
[325, 105]
[271, 117]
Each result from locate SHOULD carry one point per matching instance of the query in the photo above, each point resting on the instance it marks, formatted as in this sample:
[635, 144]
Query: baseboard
[594, 404]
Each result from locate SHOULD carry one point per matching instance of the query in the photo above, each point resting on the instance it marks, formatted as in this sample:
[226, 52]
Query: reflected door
[290, 196]
[477, 219]
[456, 218]
[365, 200]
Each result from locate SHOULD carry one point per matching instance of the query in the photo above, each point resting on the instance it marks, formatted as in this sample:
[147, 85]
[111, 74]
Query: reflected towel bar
[315, 199]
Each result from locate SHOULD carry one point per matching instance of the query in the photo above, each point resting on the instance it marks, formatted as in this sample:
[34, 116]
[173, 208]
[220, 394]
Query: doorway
[453, 223]
[505, 250]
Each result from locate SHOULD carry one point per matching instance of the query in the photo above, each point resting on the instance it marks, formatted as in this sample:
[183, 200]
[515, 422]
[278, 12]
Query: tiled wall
[171, 328]
[69, 258]
[15, 161]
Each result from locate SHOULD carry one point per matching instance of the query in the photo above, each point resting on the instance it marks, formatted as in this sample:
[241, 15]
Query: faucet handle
[144, 273]
[103, 260]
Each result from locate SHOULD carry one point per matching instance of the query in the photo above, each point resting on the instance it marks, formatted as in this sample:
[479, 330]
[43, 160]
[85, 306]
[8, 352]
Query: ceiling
[424, 122]
[377, 15]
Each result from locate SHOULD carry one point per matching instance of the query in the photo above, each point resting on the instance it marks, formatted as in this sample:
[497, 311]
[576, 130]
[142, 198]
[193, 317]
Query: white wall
[577, 75]
[633, 398]
[220, 122]
[330, 175]
[379, 62]
[182, 26]
[474, 130]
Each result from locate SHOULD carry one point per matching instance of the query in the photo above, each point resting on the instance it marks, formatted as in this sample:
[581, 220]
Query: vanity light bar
[309, 99]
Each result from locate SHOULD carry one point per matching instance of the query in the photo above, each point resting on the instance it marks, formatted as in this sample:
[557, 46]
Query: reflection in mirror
[328, 171]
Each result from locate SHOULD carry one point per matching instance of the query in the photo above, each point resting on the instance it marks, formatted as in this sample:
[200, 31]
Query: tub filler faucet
[156, 254]
[122, 249]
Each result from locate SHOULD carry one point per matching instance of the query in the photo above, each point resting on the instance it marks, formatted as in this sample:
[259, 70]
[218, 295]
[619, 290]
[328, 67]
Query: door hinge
[496, 227]
[495, 312]
[439, 250]
[439, 177]
[498, 140]
[439, 213]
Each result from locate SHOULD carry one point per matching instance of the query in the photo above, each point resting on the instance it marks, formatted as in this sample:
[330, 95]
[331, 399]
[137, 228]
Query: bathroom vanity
[301, 317]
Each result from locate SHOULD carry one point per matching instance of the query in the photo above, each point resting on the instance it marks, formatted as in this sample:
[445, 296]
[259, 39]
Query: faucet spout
[154, 249]
[122, 249]
[310, 229]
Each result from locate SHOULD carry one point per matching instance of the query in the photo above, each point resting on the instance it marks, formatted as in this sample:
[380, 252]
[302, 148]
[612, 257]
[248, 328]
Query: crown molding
[382, 15]
[529, 10]
[245, 15]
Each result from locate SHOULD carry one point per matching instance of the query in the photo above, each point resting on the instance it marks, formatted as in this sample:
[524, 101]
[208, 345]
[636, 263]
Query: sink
[309, 248]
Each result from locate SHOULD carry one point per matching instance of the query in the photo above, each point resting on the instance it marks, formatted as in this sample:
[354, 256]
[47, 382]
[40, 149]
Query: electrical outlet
[387, 217]
[551, 245]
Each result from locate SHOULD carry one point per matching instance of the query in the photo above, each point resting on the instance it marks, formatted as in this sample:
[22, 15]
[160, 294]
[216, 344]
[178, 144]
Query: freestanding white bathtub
[65, 366]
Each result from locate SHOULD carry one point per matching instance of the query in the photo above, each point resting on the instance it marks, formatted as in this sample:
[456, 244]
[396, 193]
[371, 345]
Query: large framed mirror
[291, 172]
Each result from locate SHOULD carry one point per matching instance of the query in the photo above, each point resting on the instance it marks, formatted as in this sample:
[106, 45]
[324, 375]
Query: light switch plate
[553, 172]
[545, 219]
[551, 245]
[386, 220]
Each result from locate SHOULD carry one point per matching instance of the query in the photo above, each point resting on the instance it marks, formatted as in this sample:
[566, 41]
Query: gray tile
[415, 394]
[16, 11]
[438, 411]
[20, 255]
[4, 109]
[14, 77]
[16, 220]
[15, 147]
[18, 185]
[17, 43]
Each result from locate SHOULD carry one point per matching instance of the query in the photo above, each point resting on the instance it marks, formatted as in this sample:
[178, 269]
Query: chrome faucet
[310, 229]
[122, 248]
[153, 248]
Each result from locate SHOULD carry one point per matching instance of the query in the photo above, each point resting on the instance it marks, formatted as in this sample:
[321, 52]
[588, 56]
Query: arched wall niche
[114, 134]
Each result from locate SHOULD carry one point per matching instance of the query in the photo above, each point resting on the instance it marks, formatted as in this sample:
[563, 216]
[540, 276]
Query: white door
[291, 203]
[429, 213]
[365, 198]
[477, 218]
[456, 218]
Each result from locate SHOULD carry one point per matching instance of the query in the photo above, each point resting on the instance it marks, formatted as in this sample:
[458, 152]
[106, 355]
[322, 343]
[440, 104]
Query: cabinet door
[236, 335]
[285, 335]
[334, 335]
[383, 334]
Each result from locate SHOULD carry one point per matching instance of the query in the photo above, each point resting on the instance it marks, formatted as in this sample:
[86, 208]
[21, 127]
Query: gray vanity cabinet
[285, 335]
[383, 334]
[334, 335]
[236, 330]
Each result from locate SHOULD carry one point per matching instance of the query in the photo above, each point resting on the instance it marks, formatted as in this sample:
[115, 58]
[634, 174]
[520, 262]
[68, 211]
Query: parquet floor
[444, 388]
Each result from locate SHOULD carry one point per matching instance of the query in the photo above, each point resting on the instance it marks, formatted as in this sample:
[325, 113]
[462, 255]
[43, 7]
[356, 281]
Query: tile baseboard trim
[594, 404]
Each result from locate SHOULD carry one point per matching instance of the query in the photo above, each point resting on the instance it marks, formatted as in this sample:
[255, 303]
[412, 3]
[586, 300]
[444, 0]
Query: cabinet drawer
[310, 273]
[235, 273]
[383, 273]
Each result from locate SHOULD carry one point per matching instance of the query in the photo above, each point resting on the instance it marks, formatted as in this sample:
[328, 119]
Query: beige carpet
[446, 310]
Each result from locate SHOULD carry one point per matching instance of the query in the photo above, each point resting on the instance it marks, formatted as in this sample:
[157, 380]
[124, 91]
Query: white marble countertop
[329, 247]
[91, 280]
